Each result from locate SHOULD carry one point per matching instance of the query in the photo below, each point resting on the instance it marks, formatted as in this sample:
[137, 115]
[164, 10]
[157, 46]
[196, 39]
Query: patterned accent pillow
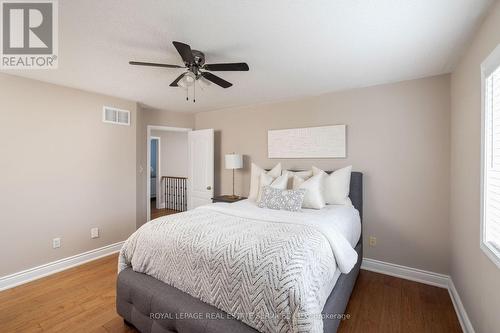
[275, 198]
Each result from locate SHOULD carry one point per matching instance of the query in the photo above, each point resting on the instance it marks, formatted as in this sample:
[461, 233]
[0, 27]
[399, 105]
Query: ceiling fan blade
[174, 84]
[217, 80]
[237, 66]
[140, 63]
[185, 52]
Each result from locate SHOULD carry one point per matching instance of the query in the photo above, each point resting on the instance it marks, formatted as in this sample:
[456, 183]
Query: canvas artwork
[308, 142]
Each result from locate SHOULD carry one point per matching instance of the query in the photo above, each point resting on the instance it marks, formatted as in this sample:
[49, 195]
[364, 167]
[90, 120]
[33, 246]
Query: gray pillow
[275, 198]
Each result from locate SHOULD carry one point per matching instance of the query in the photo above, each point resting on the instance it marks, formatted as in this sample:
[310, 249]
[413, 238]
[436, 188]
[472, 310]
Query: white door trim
[148, 160]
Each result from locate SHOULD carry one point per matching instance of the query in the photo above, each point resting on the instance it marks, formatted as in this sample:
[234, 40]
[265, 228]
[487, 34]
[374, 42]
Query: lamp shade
[234, 161]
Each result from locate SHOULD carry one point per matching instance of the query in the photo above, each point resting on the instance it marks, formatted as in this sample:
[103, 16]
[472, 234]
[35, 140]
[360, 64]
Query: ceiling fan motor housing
[199, 58]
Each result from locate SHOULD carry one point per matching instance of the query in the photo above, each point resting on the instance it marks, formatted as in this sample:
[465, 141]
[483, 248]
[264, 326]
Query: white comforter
[338, 223]
[271, 269]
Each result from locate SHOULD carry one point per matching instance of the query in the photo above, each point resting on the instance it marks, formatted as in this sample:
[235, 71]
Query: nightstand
[227, 198]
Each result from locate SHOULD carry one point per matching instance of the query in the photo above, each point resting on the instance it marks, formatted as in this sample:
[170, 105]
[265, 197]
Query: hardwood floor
[82, 299]
[156, 213]
[382, 303]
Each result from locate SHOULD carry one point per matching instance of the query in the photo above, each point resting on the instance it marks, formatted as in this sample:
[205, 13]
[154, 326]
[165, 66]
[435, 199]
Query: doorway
[167, 171]
[184, 169]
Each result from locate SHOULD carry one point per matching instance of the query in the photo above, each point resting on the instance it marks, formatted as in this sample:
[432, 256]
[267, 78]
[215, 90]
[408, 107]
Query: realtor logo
[29, 34]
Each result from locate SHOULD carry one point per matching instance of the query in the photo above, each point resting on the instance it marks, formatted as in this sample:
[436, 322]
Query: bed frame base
[152, 306]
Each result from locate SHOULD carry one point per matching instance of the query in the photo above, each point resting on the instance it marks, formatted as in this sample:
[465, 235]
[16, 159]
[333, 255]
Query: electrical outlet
[56, 243]
[94, 233]
[373, 241]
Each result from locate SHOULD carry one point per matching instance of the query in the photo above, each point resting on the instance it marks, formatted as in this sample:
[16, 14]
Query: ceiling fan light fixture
[187, 80]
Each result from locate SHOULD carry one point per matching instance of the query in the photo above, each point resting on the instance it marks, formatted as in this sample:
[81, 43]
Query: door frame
[148, 161]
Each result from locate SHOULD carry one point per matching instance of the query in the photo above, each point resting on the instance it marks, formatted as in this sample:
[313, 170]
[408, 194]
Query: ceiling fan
[194, 62]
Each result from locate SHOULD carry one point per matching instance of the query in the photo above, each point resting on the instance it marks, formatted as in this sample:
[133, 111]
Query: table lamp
[234, 161]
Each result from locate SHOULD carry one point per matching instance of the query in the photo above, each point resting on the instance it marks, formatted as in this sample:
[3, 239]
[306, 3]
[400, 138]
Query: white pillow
[336, 185]
[302, 174]
[255, 173]
[314, 196]
[267, 180]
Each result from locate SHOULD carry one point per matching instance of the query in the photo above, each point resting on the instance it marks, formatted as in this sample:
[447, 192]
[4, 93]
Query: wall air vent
[115, 116]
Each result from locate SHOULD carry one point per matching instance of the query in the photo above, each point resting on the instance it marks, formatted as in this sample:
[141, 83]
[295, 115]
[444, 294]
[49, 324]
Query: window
[490, 217]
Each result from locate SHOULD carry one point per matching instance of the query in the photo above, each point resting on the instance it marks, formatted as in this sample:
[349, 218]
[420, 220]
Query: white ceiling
[294, 48]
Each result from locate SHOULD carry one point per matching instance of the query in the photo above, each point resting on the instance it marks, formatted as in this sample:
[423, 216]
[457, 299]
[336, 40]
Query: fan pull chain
[194, 92]
[187, 93]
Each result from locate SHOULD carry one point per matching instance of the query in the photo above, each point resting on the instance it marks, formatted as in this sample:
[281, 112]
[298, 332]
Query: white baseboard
[426, 277]
[459, 309]
[12, 280]
[408, 273]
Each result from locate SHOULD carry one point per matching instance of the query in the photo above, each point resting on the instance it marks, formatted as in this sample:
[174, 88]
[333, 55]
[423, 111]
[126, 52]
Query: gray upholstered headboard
[356, 192]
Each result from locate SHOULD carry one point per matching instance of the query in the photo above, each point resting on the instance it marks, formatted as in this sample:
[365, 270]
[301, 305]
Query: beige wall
[476, 278]
[397, 134]
[145, 117]
[174, 153]
[63, 171]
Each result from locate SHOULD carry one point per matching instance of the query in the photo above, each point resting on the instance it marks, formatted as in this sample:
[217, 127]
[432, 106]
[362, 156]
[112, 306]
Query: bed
[158, 301]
